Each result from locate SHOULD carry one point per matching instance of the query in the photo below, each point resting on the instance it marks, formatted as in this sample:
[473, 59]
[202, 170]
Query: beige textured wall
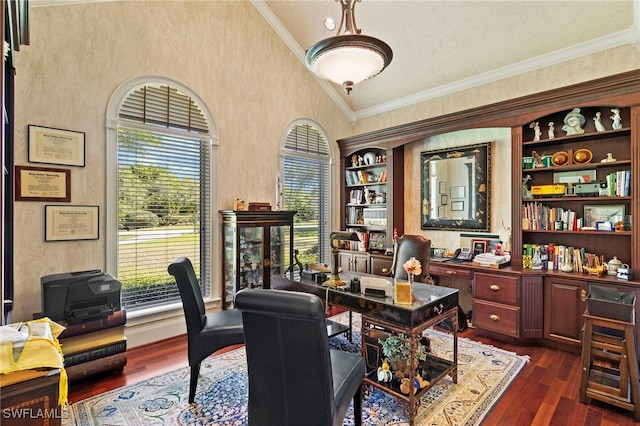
[223, 51]
[253, 86]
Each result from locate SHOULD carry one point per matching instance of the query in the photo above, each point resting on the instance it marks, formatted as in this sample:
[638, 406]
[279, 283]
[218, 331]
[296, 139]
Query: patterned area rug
[484, 373]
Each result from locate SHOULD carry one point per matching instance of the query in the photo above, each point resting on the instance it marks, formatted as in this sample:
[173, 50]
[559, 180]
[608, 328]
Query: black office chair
[206, 332]
[294, 377]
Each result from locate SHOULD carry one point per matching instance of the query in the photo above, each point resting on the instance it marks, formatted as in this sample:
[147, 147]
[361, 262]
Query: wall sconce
[334, 280]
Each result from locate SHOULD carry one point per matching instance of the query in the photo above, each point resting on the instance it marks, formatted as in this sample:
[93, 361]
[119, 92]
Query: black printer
[81, 296]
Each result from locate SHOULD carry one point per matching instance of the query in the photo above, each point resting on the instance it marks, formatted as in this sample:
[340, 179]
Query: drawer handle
[450, 272]
[583, 295]
[495, 287]
[494, 317]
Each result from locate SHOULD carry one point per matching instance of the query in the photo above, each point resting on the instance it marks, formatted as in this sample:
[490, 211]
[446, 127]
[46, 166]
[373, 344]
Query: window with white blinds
[306, 189]
[164, 162]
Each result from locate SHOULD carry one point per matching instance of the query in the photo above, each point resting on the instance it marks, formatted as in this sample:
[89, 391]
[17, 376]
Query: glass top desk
[381, 316]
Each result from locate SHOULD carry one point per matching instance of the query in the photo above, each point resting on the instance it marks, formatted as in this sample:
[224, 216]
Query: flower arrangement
[412, 266]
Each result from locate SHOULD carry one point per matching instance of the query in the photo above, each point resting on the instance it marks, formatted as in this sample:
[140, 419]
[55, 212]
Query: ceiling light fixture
[349, 57]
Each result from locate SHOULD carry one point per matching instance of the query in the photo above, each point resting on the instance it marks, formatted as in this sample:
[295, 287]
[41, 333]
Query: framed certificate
[68, 223]
[40, 184]
[56, 146]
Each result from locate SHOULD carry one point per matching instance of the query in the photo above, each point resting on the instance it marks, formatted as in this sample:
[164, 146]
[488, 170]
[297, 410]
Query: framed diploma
[68, 223]
[38, 184]
[56, 146]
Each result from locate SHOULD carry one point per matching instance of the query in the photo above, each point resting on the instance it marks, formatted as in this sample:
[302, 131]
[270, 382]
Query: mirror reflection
[455, 188]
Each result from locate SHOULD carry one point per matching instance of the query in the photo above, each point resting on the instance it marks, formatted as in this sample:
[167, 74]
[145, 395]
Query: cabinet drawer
[440, 270]
[496, 288]
[494, 317]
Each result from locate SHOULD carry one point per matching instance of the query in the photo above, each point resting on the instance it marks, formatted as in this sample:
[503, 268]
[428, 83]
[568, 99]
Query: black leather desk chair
[206, 332]
[294, 377]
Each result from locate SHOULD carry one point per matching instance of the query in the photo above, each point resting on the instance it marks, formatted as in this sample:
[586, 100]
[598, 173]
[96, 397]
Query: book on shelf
[95, 353]
[86, 369]
[117, 318]
[92, 340]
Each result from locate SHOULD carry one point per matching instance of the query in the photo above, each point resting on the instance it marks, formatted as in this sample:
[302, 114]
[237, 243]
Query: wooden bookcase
[372, 195]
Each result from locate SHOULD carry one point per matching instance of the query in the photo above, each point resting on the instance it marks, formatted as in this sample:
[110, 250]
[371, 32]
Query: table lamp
[334, 280]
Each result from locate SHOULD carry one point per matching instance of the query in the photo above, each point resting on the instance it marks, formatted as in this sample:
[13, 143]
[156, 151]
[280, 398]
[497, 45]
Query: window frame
[111, 211]
[326, 256]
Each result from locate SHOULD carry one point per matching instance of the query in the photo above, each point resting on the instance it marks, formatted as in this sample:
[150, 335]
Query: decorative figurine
[598, 122]
[617, 120]
[551, 131]
[526, 192]
[609, 158]
[536, 130]
[573, 122]
[538, 160]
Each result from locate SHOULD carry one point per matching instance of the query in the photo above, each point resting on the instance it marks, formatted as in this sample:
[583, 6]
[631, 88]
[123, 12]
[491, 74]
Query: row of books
[551, 256]
[540, 217]
[94, 346]
[618, 183]
[361, 177]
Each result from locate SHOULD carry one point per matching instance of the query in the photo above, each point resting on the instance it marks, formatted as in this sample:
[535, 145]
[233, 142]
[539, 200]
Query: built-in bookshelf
[577, 187]
[368, 196]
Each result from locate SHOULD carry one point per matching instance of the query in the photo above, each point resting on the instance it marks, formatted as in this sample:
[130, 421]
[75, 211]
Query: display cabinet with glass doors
[257, 245]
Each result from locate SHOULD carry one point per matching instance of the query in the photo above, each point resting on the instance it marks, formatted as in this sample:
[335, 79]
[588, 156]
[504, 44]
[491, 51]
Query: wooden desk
[380, 315]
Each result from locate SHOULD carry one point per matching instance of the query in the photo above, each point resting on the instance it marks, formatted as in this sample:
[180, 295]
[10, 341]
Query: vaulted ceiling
[441, 47]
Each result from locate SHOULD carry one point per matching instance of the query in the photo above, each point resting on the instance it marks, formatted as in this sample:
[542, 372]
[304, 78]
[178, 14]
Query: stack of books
[95, 346]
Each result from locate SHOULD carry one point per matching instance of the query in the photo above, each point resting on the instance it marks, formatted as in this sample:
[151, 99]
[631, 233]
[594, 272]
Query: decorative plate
[369, 158]
[582, 156]
[560, 158]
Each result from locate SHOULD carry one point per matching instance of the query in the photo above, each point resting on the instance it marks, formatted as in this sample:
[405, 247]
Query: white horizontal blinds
[163, 207]
[306, 185]
[164, 106]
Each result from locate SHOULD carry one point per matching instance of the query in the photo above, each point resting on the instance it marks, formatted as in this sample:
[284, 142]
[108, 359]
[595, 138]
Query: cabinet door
[251, 257]
[565, 302]
[360, 263]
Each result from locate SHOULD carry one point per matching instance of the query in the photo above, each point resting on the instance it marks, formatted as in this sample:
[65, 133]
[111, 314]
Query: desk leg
[454, 372]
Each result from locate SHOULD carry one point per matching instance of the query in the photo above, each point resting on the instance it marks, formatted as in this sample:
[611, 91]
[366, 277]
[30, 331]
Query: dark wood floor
[546, 392]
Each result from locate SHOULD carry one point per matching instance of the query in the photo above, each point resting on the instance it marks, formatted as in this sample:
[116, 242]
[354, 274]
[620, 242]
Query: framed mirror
[455, 186]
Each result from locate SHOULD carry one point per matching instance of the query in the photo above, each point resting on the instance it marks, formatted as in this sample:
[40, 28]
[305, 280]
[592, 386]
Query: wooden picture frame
[594, 213]
[56, 146]
[71, 223]
[42, 184]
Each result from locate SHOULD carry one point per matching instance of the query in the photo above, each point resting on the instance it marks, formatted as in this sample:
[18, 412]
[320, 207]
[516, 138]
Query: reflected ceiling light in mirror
[349, 57]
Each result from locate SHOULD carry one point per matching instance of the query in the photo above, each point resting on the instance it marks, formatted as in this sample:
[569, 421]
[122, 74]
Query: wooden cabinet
[372, 197]
[352, 261]
[496, 303]
[565, 302]
[380, 264]
[256, 246]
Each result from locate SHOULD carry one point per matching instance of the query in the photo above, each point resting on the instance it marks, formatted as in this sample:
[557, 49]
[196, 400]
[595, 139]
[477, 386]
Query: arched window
[161, 199]
[306, 188]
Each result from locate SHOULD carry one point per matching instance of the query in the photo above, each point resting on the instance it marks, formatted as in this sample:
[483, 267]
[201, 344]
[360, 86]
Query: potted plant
[396, 350]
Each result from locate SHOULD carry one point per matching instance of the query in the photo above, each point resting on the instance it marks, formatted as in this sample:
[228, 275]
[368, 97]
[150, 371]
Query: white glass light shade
[348, 59]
